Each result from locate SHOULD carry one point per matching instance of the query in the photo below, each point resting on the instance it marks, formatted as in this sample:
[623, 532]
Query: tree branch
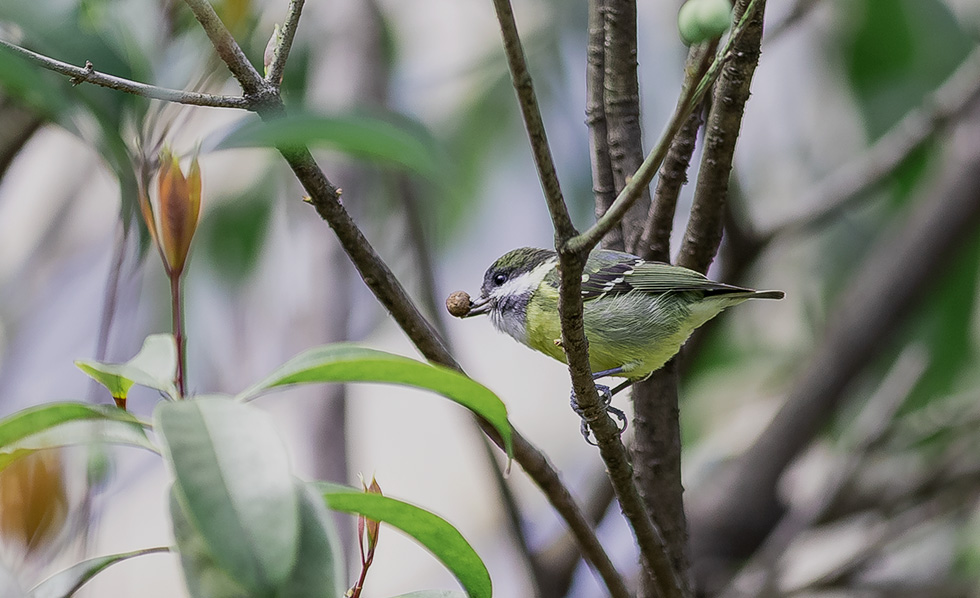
[644, 174]
[703, 235]
[621, 99]
[286, 35]
[88, 74]
[902, 267]
[603, 183]
[653, 549]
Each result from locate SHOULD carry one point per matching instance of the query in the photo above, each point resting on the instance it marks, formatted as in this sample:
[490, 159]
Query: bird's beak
[479, 307]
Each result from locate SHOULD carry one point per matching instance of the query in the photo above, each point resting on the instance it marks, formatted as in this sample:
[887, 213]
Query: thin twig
[655, 241]
[88, 74]
[704, 228]
[858, 176]
[286, 35]
[644, 174]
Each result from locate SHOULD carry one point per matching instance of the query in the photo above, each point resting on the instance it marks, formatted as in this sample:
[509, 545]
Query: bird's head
[509, 284]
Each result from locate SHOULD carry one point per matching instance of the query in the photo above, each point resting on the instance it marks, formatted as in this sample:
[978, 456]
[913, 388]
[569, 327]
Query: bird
[637, 313]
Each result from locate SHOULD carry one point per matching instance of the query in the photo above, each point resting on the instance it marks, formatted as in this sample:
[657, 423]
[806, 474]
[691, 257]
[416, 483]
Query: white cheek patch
[514, 322]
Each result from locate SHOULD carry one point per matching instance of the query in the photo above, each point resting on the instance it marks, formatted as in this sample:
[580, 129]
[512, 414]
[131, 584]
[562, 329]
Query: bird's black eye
[499, 279]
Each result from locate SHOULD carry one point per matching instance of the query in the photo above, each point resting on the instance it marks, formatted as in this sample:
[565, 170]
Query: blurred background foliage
[411, 111]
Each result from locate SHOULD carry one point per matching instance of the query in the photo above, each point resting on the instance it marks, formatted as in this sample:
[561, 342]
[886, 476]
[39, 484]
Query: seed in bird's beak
[458, 304]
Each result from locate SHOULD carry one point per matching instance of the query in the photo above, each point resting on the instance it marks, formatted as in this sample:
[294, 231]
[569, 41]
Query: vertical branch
[704, 229]
[656, 447]
[621, 99]
[603, 183]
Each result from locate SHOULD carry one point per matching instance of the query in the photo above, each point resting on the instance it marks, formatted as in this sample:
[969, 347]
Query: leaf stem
[177, 314]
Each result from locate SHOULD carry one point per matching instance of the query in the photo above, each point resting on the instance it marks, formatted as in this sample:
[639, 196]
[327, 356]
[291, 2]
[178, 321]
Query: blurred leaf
[892, 57]
[65, 583]
[363, 137]
[233, 482]
[942, 325]
[433, 594]
[233, 233]
[202, 575]
[62, 424]
[442, 539]
[343, 362]
[33, 503]
[155, 367]
[318, 571]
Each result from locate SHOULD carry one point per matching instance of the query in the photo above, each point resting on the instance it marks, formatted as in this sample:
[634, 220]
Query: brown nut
[458, 304]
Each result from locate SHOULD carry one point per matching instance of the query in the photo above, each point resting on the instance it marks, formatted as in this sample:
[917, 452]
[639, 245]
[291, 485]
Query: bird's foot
[605, 400]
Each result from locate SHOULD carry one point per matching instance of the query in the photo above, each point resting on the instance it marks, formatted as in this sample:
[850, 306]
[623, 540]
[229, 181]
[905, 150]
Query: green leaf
[202, 576]
[345, 362]
[65, 583]
[442, 539]
[63, 424]
[155, 366]
[318, 573]
[404, 144]
[233, 482]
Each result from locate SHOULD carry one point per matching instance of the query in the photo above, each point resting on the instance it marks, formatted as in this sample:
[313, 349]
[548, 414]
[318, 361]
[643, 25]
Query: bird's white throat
[509, 313]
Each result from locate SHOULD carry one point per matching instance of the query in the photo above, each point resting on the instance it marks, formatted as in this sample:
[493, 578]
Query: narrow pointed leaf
[233, 482]
[441, 539]
[351, 363]
[63, 424]
[65, 583]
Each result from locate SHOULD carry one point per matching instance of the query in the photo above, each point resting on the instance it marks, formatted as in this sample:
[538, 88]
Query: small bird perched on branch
[637, 313]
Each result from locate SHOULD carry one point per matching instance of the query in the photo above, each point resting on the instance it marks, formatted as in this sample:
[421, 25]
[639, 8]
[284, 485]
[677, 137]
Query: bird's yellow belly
[638, 348]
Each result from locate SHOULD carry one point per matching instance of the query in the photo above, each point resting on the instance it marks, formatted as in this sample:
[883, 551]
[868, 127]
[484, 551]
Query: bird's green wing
[611, 272]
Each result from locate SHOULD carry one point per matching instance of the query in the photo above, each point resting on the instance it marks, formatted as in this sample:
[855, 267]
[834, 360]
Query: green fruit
[702, 20]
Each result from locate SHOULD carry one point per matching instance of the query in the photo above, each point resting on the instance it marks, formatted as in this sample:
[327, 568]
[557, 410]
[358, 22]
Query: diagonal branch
[88, 74]
[704, 228]
[286, 35]
[655, 241]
